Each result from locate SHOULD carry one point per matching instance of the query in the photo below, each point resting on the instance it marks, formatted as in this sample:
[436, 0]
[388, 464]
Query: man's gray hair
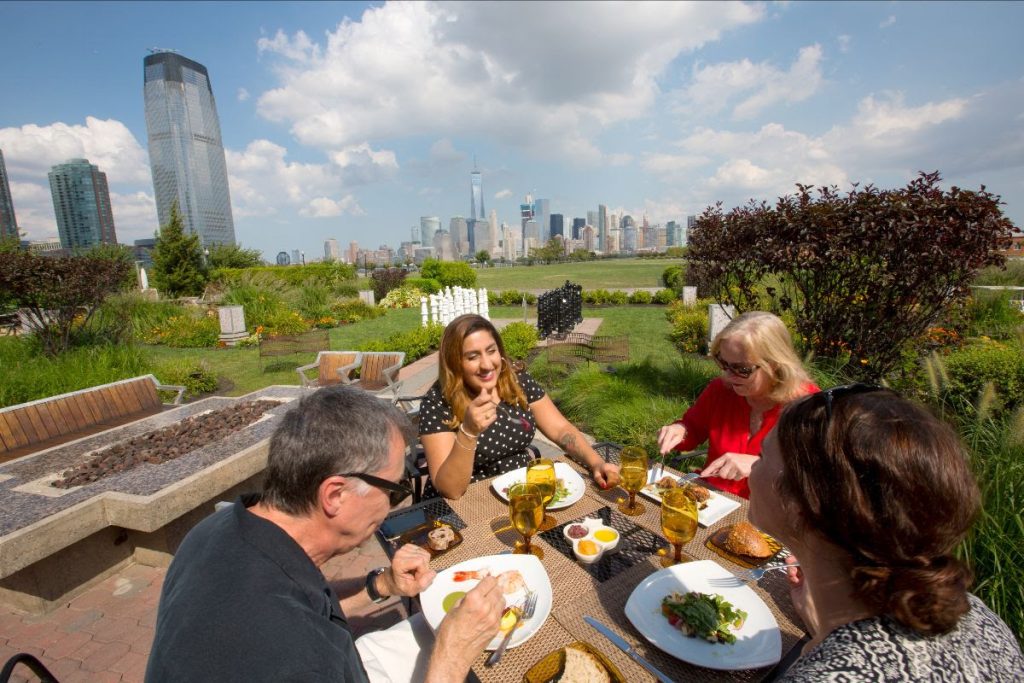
[332, 430]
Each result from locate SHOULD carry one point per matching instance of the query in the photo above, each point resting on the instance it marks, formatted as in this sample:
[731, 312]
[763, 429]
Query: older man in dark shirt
[244, 599]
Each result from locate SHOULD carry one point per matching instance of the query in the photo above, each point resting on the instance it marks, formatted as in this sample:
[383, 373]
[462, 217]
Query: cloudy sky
[352, 120]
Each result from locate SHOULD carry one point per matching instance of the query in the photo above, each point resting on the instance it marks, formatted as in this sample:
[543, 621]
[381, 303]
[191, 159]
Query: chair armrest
[536, 451]
[173, 387]
[302, 374]
[345, 372]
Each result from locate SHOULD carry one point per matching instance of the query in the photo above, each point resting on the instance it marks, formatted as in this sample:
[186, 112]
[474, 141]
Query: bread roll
[744, 539]
[440, 538]
[583, 667]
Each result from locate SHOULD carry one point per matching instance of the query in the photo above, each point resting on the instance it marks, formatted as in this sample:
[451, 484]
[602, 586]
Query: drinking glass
[525, 511]
[633, 474]
[678, 521]
[542, 473]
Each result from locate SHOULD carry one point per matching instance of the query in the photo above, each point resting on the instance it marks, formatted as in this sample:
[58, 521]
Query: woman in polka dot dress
[478, 418]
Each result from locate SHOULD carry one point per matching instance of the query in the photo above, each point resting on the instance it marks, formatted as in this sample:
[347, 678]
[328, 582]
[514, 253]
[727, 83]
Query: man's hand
[465, 631]
[410, 572]
[606, 474]
[482, 412]
[733, 466]
[670, 436]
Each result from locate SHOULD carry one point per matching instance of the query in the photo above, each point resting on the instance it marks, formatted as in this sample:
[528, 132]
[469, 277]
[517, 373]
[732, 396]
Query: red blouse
[722, 418]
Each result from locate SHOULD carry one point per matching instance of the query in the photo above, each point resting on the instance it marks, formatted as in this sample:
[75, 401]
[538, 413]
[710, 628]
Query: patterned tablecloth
[580, 590]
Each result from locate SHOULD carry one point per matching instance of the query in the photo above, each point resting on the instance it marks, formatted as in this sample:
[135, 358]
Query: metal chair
[29, 661]
[332, 367]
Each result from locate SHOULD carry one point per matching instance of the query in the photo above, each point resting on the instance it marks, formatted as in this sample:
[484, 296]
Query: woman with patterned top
[873, 493]
[479, 417]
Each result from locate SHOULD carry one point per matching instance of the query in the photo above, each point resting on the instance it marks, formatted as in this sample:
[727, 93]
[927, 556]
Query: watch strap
[371, 585]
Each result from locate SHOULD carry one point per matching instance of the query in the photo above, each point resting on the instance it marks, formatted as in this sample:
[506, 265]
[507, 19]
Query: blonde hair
[767, 341]
[449, 367]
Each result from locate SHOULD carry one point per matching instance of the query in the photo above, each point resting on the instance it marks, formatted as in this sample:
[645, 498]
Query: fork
[528, 609]
[748, 575]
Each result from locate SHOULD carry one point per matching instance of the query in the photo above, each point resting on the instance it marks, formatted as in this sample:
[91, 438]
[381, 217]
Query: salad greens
[708, 616]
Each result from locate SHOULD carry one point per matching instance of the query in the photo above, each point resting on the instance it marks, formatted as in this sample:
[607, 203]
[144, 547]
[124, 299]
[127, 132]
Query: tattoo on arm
[568, 443]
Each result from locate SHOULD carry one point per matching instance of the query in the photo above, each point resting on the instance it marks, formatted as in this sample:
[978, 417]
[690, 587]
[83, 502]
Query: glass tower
[476, 194]
[8, 223]
[81, 202]
[185, 150]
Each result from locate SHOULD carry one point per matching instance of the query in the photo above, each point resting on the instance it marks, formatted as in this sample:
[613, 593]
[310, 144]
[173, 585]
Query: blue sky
[352, 120]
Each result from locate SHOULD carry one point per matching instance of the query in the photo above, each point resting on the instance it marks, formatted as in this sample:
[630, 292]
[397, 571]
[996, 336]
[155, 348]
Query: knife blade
[627, 648]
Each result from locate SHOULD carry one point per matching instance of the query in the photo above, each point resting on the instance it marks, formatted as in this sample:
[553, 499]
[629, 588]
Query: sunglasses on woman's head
[396, 492]
[737, 369]
[831, 395]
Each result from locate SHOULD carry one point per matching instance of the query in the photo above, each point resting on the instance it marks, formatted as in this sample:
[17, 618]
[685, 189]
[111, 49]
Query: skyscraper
[331, 250]
[577, 228]
[602, 226]
[476, 194]
[81, 202]
[8, 222]
[185, 151]
[459, 230]
[429, 225]
[557, 225]
[542, 214]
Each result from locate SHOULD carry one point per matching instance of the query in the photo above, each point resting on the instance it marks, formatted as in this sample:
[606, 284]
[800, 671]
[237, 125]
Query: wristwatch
[371, 585]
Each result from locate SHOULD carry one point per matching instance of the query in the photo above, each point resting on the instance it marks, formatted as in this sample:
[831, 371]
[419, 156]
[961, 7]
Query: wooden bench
[313, 341]
[578, 347]
[29, 427]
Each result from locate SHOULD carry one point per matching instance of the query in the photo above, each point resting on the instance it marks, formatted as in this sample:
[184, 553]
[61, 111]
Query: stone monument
[232, 324]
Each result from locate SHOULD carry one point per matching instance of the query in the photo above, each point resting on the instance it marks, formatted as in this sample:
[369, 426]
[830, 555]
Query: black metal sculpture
[559, 311]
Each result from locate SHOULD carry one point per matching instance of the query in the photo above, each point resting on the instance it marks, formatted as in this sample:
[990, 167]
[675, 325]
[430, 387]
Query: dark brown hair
[449, 367]
[888, 482]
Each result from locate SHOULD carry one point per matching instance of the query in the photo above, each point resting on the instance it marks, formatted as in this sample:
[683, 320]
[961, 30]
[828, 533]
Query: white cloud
[503, 194]
[449, 69]
[714, 86]
[672, 163]
[243, 94]
[32, 150]
[888, 21]
[444, 152]
[844, 43]
[134, 215]
[883, 118]
[324, 207]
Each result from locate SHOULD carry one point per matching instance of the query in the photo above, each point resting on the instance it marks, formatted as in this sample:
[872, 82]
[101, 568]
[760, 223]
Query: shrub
[424, 284]
[618, 298]
[195, 376]
[354, 310]
[519, 338]
[313, 299]
[972, 369]
[866, 273]
[187, 330]
[665, 296]
[689, 327]
[286, 323]
[449, 273]
[330, 274]
[640, 297]
[403, 297]
[674, 277]
[261, 297]
[385, 280]
[596, 296]
[510, 297]
[415, 343]
[993, 314]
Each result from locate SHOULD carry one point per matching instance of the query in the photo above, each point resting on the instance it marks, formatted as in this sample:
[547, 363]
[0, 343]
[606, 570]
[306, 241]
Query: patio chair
[379, 371]
[332, 367]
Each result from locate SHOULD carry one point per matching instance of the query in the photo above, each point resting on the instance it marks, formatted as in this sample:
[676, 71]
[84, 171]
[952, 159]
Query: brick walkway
[104, 635]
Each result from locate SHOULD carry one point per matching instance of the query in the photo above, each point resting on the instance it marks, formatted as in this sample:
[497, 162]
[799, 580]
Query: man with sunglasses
[244, 598]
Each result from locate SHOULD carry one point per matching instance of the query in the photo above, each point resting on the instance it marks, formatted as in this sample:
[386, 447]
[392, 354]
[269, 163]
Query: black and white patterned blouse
[980, 648]
[501, 447]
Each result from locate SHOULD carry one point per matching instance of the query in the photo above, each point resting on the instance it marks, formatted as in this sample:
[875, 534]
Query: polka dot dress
[502, 446]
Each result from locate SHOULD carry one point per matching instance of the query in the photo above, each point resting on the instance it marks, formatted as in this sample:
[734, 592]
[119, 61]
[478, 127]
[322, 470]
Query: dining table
[599, 591]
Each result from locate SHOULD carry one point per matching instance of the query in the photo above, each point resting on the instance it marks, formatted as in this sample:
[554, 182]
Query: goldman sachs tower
[185, 151]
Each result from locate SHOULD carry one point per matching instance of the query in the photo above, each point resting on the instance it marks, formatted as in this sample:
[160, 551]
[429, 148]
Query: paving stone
[67, 645]
[72, 621]
[132, 665]
[117, 630]
[97, 657]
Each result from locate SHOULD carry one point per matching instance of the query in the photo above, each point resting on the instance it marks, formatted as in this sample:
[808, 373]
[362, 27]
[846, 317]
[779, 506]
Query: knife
[627, 648]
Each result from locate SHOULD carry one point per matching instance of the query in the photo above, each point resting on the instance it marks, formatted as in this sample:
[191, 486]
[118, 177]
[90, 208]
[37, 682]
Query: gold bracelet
[462, 428]
[464, 446]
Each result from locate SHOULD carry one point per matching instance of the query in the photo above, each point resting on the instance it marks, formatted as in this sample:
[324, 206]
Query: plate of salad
[569, 485]
[679, 611]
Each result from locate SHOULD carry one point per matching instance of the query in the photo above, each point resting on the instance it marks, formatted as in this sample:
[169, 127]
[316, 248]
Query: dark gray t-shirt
[243, 602]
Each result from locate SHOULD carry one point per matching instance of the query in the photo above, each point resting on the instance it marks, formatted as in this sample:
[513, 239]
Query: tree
[482, 256]
[553, 251]
[862, 274]
[233, 256]
[60, 295]
[178, 268]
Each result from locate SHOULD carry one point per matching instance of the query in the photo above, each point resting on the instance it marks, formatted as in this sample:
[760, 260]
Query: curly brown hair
[449, 367]
[888, 482]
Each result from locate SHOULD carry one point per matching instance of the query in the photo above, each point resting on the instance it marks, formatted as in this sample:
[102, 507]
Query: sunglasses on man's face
[737, 369]
[835, 393]
[396, 492]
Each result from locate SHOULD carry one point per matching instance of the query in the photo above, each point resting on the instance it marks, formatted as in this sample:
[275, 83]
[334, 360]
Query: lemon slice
[508, 620]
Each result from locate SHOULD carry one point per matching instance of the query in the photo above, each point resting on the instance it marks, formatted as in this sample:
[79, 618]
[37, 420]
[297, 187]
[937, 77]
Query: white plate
[758, 641]
[534, 576]
[718, 505]
[570, 478]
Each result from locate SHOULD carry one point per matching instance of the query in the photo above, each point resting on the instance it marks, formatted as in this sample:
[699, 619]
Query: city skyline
[649, 109]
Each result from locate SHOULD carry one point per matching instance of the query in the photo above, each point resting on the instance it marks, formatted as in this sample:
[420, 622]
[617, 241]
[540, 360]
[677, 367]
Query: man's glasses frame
[845, 390]
[744, 371]
[396, 492]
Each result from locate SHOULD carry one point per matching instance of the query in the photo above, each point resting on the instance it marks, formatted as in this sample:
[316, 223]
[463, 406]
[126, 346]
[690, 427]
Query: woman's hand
[410, 572]
[670, 436]
[733, 466]
[605, 474]
[482, 412]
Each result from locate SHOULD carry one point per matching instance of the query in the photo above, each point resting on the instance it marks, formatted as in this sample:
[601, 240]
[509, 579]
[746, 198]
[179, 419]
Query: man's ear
[331, 493]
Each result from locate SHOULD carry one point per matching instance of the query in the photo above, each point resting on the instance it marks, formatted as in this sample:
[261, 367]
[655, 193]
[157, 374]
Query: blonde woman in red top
[760, 373]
